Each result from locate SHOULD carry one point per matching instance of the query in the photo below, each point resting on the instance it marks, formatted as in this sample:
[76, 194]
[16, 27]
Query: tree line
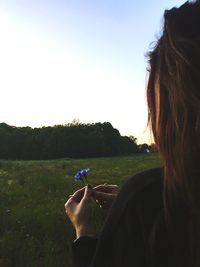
[75, 140]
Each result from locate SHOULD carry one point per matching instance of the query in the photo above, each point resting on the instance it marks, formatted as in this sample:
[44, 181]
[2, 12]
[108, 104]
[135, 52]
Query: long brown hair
[173, 95]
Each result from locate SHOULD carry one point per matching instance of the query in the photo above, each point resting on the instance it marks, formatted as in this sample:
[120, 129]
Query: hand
[105, 194]
[79, 210]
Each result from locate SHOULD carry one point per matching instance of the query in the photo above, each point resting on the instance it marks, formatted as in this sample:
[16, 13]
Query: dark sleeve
[83, 250]
[125, 235]
[124, 245]
[131, 238]
[128, 242]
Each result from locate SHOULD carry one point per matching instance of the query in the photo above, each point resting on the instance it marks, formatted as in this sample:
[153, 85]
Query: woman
[155, 219]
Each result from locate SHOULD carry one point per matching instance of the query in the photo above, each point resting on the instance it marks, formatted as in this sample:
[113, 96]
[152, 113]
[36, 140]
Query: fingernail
[89, 186]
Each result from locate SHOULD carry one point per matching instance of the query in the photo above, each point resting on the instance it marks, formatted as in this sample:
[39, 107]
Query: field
[34, 230]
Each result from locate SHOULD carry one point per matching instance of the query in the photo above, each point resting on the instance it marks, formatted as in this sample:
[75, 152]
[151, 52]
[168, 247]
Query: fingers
[87, 194]
[104, 200]
[78, 195]
[79, 199]
[102, 197]
[103, 194]
[107, 188]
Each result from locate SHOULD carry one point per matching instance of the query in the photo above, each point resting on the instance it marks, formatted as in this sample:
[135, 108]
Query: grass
[34, 230]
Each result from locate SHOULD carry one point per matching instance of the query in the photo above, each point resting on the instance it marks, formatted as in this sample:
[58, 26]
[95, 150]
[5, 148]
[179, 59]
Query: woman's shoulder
[142, 180]
[142, 186]
[130, 220]
[143, 190]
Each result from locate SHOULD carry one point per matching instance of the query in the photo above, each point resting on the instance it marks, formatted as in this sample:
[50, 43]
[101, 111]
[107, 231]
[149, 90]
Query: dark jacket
[134, 233]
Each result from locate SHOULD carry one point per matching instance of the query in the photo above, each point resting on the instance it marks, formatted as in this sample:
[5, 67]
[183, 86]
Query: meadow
[34, 230]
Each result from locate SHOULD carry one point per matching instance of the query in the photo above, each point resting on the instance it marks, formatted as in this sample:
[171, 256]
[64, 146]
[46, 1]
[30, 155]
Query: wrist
[84, 231]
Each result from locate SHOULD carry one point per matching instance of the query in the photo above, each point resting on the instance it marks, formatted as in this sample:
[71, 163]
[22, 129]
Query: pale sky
[77, 59]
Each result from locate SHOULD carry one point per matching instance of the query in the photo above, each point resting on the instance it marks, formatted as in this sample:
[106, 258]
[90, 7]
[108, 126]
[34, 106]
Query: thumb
[87, 194]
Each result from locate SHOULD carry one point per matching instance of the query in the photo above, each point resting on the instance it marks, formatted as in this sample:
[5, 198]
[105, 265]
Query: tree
[75, 139]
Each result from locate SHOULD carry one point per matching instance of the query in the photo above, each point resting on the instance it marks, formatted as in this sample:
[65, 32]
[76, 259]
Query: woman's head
[173, 95]
[173, 90]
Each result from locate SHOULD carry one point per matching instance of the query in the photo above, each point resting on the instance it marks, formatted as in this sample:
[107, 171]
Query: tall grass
[34, 230]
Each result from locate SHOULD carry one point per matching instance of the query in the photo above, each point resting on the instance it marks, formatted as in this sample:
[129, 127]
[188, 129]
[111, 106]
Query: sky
[62, 60]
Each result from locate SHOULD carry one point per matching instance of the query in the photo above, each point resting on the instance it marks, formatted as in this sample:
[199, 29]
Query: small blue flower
[82, 174]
